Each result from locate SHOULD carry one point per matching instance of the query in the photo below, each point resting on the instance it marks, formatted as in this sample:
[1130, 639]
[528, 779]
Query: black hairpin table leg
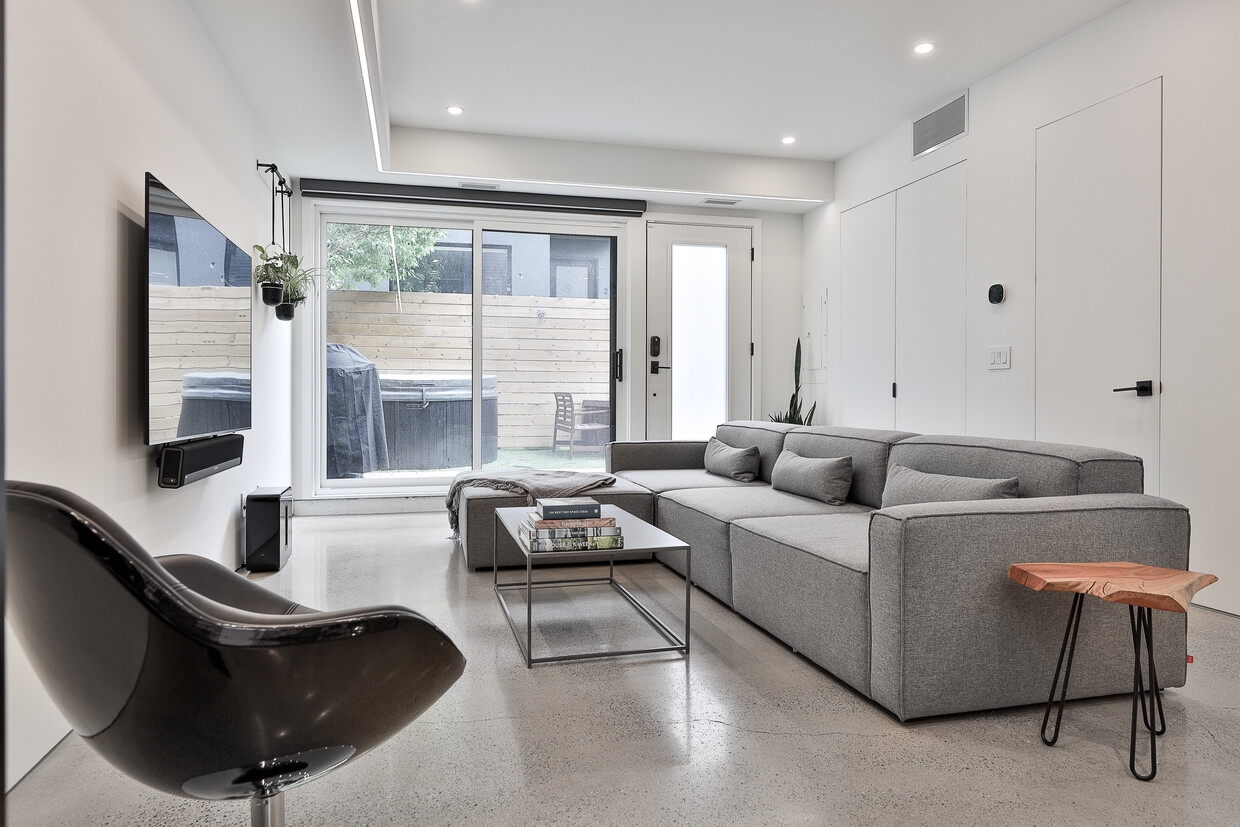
[1142, 621]
[1143, 588]
[1074, 623]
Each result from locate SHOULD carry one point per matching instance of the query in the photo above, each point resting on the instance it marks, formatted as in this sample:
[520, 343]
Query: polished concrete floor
[743, 732]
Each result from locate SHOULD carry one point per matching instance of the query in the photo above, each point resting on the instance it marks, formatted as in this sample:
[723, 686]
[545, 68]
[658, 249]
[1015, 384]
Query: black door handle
[1144, 387]
[618, 365]
[655, 367]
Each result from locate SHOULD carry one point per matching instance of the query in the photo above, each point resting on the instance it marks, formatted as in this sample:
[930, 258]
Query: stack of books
[570, 524]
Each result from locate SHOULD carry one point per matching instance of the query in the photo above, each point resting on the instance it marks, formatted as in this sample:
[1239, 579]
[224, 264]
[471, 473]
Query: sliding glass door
[547, 340]
[428, 371]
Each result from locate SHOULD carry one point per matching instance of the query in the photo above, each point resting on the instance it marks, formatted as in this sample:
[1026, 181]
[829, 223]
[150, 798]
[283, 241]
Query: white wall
[98, 94]
[471, 155]
[1189, 44]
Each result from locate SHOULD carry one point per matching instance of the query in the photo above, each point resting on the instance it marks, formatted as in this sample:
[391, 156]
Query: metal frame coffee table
[640, 539]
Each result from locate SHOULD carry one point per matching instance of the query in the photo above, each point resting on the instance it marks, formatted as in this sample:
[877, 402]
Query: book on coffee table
[535, 521]
[562, 533]
[568, 508]
[535, 544]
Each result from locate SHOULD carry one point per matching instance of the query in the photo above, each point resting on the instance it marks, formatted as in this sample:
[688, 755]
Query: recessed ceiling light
[790, 140]
[924, 48]
[455, 110]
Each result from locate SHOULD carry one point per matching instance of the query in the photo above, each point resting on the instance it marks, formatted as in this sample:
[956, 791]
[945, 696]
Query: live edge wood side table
[1143, 588]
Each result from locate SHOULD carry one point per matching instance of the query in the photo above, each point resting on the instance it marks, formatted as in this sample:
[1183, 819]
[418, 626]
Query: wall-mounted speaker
[188, 462]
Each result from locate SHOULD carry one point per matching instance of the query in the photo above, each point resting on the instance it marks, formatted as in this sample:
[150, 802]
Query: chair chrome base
[267, 811]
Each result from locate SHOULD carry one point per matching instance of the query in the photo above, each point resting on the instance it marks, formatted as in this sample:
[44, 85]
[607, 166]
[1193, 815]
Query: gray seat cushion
[806, 581]
[843, 539]
[674, 478]
[739, 502]
[701, 517]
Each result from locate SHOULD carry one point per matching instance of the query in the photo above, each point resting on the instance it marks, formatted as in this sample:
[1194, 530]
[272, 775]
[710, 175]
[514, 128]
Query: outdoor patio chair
[573, 421]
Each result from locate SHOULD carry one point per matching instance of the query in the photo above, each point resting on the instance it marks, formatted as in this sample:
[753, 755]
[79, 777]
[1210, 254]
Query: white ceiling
[720, 75]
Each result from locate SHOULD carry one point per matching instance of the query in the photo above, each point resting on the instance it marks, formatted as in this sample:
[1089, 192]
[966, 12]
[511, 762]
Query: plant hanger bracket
[282, 191]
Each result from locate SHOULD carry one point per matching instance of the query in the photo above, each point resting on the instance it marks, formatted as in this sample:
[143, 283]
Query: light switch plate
[1000, 358]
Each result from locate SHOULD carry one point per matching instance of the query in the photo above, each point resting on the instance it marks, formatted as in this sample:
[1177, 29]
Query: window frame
[309, 449]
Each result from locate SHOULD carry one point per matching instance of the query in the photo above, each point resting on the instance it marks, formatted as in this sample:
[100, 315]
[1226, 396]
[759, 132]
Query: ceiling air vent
[472, 185]
[943, 125]
[721, 202]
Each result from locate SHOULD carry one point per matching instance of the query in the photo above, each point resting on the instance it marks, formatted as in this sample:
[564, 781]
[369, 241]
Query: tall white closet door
[867, 323]
[930, 304]
[1099, 271]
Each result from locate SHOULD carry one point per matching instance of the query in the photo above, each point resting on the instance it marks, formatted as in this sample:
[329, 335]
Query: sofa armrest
[951, 633]
[655, 455]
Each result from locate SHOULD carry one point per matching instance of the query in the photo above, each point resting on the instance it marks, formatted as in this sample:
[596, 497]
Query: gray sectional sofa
[911, 604]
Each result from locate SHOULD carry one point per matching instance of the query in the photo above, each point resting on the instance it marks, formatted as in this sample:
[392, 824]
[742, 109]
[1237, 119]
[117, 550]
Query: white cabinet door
[1099, 249]
[930, 304]
[867, 318]
[902, 321]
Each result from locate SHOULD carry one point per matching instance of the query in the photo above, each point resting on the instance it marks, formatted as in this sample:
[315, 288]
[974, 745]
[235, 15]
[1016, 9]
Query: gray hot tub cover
[356, 443]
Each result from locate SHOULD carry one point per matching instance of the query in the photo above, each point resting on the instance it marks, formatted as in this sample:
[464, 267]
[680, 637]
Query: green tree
[377, 255]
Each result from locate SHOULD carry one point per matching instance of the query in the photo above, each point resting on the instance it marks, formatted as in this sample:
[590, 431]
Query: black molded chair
[196, 681]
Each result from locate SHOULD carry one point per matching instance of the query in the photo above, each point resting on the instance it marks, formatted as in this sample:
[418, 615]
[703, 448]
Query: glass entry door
[698, 350]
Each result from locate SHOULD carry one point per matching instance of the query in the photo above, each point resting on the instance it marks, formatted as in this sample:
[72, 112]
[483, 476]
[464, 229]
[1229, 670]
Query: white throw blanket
[533, 484]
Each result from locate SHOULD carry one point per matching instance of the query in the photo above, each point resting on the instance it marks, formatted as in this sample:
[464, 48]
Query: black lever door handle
[655, 367]
[1145, 387]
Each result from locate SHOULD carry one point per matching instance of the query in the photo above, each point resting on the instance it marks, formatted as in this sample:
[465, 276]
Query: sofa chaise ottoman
[477, 519]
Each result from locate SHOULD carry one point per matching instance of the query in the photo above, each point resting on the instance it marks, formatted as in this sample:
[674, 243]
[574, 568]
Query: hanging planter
[294, 294]
[282, 280]
[273, 292]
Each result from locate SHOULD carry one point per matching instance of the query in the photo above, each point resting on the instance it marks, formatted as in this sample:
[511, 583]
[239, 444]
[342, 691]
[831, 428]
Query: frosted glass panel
[699, 339]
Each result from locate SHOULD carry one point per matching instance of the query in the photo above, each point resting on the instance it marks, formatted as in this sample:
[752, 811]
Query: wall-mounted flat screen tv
[198, 324]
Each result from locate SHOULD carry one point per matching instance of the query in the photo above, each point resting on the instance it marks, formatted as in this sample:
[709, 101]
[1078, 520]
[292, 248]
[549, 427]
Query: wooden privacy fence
[567, 348]
[192, 329]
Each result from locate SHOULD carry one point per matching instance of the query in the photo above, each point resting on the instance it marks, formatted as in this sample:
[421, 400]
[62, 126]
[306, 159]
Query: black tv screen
[198, 324]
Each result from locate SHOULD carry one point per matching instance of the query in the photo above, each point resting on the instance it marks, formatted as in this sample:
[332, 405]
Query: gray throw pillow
[905, 485]
[735, 463]
[826, 479]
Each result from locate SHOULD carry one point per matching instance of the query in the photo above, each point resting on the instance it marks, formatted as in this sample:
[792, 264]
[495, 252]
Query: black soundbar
[187, 462]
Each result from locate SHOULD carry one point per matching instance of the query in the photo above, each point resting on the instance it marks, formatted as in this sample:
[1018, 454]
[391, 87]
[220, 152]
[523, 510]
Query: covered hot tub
[428, 423]
[214, 401]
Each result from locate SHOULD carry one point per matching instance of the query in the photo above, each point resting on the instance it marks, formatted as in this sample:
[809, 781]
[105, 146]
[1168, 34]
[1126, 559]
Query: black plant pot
[284, 311]
[273, 293]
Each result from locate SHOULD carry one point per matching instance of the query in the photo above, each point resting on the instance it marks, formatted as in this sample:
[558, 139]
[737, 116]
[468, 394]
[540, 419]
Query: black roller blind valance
[449, 196]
